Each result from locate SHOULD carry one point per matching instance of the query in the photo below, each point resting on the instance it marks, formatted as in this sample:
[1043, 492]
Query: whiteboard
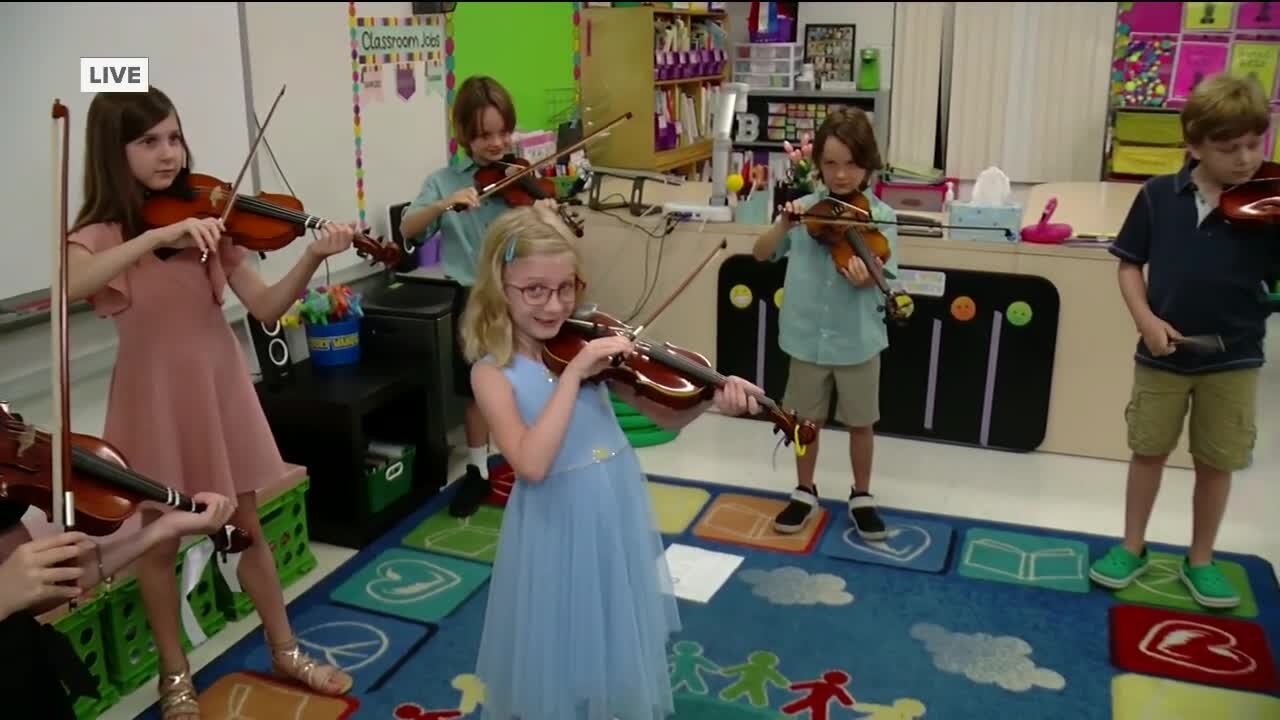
[194, 56]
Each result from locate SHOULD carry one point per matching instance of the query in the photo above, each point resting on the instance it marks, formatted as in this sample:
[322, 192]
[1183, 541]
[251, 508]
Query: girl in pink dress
[182, 405]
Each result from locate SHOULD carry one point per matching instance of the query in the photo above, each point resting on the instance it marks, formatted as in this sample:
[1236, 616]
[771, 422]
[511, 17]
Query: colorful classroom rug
[946, 618]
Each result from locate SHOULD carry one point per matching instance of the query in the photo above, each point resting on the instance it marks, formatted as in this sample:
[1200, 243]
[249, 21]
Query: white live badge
[114, 75]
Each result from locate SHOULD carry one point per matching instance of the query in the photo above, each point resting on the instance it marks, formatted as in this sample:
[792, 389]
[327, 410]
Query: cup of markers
[331, 318]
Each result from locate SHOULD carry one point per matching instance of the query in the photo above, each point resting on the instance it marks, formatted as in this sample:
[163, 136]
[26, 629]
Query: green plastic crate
[284, 522]
[389, 482]
[130, 647]
[83, 628]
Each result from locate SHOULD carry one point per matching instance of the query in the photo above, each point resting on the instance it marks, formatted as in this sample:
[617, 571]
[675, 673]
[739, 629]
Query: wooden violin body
[671, 376]
[524, 191]
[265, 222]
[1244, 203]
[843, 224]
[106, 492]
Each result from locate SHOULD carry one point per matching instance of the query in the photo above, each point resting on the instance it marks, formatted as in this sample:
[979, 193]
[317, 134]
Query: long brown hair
[111, 193]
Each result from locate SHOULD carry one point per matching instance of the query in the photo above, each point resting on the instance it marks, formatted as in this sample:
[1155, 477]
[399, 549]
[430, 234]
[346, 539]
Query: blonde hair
[485, 325]
[1225, 107]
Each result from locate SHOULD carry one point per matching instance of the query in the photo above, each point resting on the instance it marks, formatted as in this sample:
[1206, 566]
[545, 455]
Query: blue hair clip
[511, 249]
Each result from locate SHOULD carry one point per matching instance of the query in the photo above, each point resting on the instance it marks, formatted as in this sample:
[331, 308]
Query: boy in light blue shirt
[484, 117]
[831, 323]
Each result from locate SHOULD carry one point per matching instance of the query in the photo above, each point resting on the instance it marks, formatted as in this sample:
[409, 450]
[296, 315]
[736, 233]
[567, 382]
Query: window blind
[1029, 84]
[917, 64]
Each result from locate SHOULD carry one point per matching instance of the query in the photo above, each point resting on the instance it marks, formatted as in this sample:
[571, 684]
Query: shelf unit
[808, 105]
[622, 71]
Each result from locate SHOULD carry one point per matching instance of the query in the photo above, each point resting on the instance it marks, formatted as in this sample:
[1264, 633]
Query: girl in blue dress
[580, 602]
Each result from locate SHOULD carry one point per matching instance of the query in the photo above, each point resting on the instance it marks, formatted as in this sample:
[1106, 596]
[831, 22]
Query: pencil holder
[335, 344]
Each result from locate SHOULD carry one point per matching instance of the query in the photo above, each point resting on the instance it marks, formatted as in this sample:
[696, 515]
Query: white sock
[479, 456]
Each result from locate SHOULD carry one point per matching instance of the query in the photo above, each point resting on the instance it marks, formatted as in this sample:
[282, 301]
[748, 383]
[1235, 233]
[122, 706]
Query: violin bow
[635, 333]
[535, 166]
[1008, 234]
[63, 505]
[253, 151]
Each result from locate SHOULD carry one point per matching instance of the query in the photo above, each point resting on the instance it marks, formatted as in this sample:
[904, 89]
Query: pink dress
[182, 406]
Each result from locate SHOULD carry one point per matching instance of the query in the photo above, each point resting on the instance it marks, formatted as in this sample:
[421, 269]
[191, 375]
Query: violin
[526, 190]
[669, 375]
[519, 188]
[265, 222]
[81, 482]
[106, 491]
[1243, 203]
[843, 224]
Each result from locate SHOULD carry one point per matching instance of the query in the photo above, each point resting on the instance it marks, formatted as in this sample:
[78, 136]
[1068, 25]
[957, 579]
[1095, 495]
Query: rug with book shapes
[821, 631]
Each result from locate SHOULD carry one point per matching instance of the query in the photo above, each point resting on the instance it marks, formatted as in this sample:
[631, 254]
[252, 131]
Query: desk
[1093, 361]
[1088, 207]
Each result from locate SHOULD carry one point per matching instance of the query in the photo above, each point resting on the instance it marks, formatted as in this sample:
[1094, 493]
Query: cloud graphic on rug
[795, 586]
[986, 659]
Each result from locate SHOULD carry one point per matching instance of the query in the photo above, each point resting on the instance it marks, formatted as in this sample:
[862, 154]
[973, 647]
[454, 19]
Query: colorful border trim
[352, 23]
[449, 81]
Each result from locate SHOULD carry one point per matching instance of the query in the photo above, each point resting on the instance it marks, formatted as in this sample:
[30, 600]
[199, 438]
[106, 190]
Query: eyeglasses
[541, 294]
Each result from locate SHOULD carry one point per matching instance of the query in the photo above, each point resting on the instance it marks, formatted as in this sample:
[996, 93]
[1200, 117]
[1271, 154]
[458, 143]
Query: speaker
[433, 8]
[272, 348]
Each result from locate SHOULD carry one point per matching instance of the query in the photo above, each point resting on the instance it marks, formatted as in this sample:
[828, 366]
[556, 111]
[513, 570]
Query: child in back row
[484, 118]
[579, 606]
[1204, 276]
[830, 323]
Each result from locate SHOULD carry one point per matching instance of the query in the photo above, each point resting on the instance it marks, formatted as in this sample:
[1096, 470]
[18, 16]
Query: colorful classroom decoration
[1163, 49]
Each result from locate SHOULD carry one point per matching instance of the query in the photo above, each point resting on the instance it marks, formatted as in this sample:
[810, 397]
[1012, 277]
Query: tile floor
[1053, 491]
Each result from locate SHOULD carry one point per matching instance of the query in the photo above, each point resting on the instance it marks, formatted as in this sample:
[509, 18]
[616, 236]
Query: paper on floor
[696, 573]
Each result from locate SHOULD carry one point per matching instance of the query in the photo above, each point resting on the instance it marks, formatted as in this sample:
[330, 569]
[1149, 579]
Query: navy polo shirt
[1205, 275]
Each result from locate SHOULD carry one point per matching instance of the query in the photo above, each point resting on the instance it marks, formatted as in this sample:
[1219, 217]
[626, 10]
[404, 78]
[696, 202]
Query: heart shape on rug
[903, 544]
[405, 580]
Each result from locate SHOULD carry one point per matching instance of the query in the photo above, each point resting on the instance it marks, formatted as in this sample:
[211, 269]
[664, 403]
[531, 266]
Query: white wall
[306, 47]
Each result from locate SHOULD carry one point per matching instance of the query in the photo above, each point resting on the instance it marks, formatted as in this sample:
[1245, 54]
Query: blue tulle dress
[580, 603]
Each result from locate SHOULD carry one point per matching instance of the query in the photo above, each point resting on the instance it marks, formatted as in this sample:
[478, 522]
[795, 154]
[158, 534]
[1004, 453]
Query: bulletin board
[1164, 48]
[538, 65]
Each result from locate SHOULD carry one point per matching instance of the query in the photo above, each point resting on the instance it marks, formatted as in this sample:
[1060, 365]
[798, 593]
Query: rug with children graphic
[946, 618]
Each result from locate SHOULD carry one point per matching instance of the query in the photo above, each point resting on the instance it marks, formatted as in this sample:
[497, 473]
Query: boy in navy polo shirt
[1205, 276]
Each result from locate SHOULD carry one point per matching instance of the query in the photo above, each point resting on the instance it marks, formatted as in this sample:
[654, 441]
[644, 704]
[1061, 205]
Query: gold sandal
[178, 696]
[288, 660]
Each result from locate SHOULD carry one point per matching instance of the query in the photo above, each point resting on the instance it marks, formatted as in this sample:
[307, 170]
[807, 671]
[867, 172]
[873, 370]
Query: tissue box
[984, 216]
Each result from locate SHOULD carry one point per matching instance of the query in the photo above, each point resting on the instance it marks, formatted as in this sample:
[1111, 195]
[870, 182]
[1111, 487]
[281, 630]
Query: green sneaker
[1208, 586]
[1118, 568]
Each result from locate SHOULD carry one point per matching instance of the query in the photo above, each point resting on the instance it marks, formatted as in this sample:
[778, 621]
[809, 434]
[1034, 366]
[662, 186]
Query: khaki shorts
[857, 389]
[1223, 409]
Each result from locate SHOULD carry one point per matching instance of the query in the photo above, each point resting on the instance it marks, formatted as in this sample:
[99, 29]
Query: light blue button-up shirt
[824, 319]
[461, 233]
